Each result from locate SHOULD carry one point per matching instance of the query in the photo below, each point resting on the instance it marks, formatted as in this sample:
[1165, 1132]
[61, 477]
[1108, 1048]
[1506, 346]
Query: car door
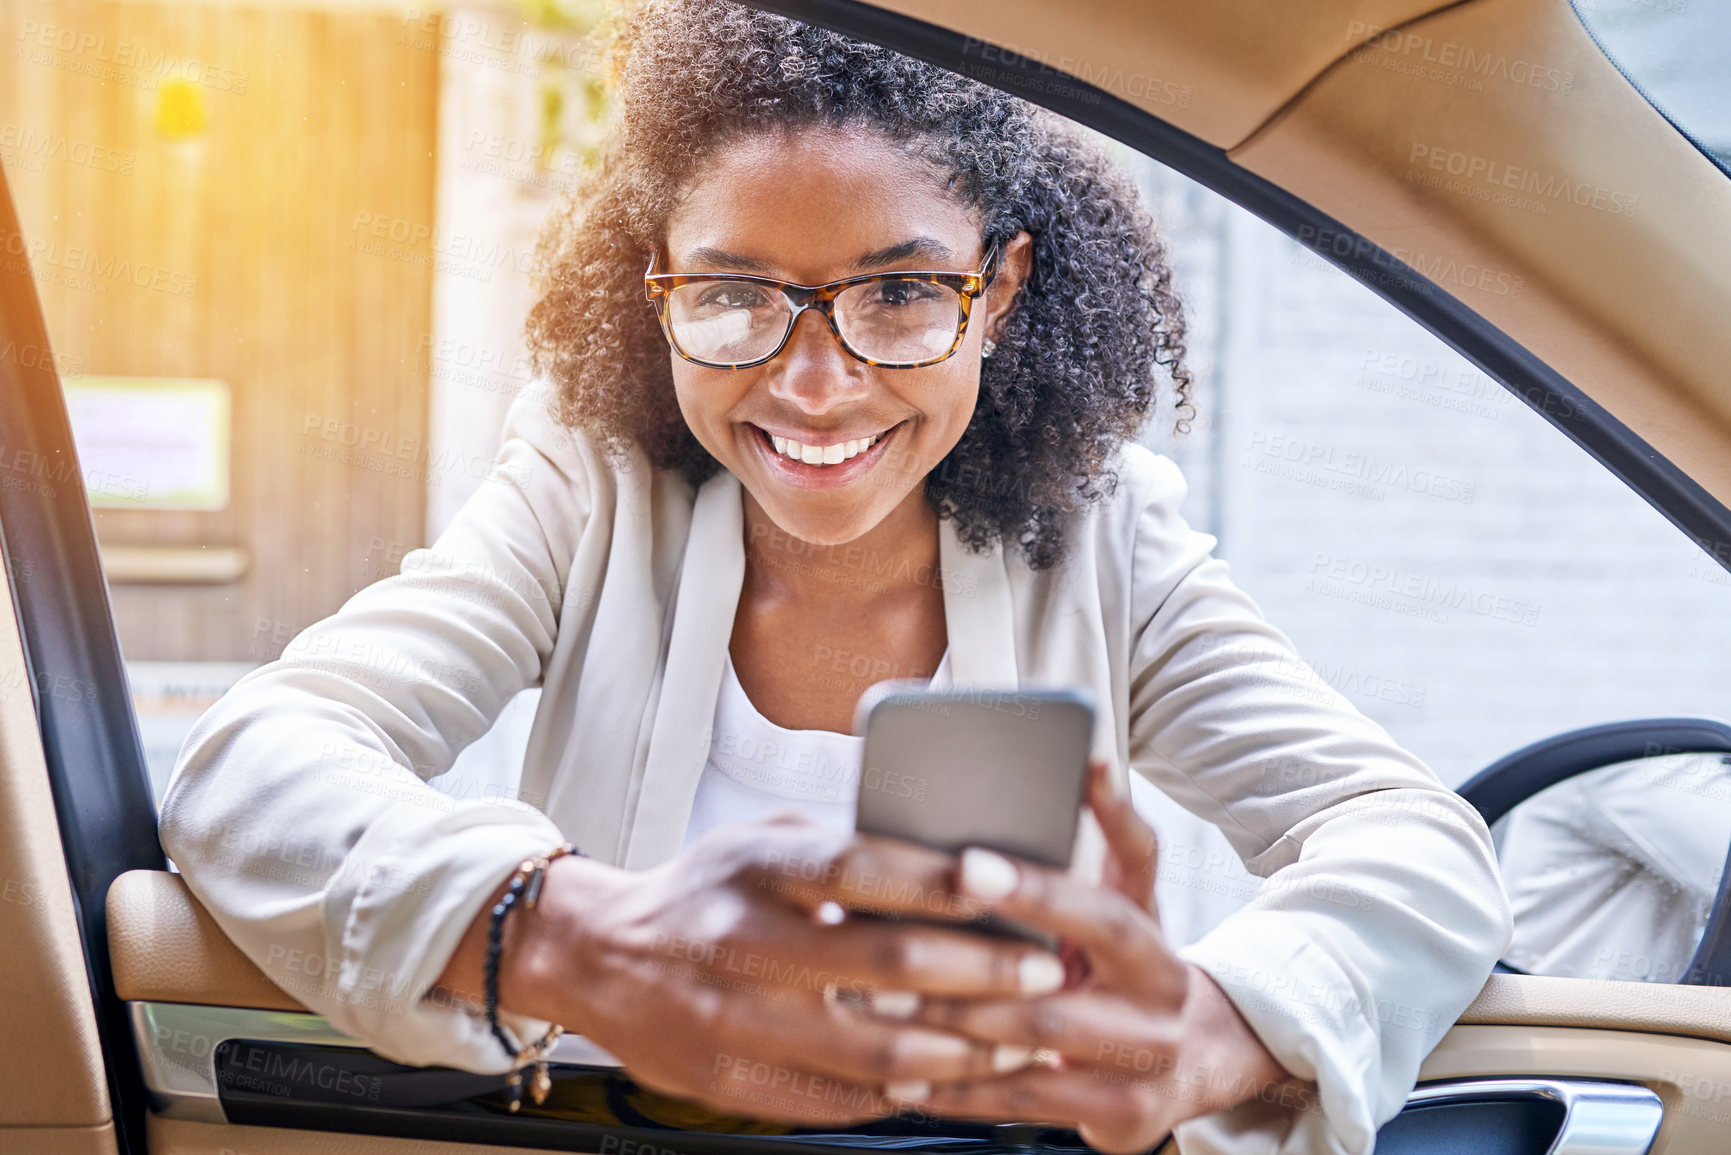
[1328, 123]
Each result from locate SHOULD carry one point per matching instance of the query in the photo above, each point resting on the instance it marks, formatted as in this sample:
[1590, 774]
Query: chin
[822, 529]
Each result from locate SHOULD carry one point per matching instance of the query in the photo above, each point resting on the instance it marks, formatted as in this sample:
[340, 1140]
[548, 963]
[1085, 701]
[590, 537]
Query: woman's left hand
[1139, 1040]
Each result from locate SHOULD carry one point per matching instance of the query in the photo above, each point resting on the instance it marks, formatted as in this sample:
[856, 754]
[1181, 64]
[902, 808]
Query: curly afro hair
[1074, 373]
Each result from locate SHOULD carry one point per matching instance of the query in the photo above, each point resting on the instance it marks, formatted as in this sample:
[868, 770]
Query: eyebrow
[924, 248]
[723, 260]
[921, 248]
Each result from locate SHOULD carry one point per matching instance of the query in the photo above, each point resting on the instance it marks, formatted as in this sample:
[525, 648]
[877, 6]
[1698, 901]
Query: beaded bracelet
[525, 886]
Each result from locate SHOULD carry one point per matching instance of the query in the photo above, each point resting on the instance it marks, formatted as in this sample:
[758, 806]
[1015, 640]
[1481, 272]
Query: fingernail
[895, 1004]
[1009, 1057]
[908, 1090]
[1040, 974]
[987, 875]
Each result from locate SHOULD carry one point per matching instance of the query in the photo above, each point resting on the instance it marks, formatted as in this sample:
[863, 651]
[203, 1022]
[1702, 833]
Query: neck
[899, 552]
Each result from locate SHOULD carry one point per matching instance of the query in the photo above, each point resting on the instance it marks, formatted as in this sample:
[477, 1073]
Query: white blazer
[300, 815]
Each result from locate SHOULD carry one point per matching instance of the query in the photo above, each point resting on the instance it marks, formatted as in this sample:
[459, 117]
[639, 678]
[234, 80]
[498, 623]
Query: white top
[613, 586]
[755, 766]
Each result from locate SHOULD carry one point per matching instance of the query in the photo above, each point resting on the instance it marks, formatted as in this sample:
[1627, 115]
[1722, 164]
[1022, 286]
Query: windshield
[1674, 52]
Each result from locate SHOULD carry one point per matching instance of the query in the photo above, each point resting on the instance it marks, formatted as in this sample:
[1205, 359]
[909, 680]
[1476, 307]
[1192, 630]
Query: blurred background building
[285, 252]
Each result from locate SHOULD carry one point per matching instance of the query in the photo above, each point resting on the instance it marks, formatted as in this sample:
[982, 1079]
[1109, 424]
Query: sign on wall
[151, 442]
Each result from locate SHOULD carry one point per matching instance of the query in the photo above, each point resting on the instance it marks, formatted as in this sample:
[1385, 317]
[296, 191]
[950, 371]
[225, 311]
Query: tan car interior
[57, 1093]
[1630, 307]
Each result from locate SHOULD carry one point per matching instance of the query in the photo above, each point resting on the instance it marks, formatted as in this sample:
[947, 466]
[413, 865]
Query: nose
[813, 371]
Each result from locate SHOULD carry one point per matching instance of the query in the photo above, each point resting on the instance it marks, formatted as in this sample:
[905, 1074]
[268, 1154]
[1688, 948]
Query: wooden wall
[244, 155]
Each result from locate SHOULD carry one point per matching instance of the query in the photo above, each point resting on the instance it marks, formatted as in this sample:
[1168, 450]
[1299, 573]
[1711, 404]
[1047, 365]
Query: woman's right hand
[715, 977]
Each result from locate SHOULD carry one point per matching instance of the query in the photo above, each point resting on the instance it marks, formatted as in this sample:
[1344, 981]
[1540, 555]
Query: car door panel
[56, 1088]
[1685, 1073]
[1674, 1040]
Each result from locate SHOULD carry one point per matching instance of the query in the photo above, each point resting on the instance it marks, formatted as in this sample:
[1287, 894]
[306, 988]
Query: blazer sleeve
[299, 812]
[1382, 912]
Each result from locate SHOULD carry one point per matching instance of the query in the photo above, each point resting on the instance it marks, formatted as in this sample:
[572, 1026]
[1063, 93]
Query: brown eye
[731, 295]
[894, 294]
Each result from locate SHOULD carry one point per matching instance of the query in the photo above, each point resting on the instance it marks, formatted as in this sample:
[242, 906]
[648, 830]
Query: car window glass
[284, 258]
[1674, 52]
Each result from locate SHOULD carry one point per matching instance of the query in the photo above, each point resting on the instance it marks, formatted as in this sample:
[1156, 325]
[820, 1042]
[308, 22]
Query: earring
[988, 347]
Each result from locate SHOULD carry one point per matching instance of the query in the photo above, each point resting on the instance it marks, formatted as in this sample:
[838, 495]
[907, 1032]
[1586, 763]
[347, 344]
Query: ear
[1014, 264]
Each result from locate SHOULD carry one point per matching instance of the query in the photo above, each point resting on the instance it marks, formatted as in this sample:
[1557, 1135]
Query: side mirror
[1614, 844]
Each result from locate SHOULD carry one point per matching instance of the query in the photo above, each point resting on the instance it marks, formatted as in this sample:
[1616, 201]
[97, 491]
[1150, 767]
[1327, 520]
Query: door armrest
[164, 947]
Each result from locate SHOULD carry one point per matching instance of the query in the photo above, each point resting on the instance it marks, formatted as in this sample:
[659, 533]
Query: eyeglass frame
[658, 286]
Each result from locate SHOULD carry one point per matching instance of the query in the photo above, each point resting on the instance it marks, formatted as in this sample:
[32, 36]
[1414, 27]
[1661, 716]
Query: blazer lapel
[978, 612]
[711, 575]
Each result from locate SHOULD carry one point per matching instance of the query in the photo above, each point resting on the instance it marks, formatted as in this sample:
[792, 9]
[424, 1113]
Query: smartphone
[952, 768]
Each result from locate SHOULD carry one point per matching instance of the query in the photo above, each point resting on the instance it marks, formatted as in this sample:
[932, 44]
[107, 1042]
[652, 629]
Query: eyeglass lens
[894, 320]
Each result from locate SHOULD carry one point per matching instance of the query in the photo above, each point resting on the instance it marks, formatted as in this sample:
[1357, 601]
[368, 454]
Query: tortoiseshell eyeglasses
[900, 320]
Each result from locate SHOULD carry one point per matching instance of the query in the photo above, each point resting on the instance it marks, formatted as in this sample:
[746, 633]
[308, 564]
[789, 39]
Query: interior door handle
[1598, 1118]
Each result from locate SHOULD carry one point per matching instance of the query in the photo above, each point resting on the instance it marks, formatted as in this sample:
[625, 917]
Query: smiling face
[827, 445]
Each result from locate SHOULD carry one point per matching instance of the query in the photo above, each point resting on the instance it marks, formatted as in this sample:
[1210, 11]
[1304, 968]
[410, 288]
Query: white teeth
[823, 454]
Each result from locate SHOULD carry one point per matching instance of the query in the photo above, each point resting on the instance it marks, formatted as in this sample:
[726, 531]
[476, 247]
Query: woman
[748, 501]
